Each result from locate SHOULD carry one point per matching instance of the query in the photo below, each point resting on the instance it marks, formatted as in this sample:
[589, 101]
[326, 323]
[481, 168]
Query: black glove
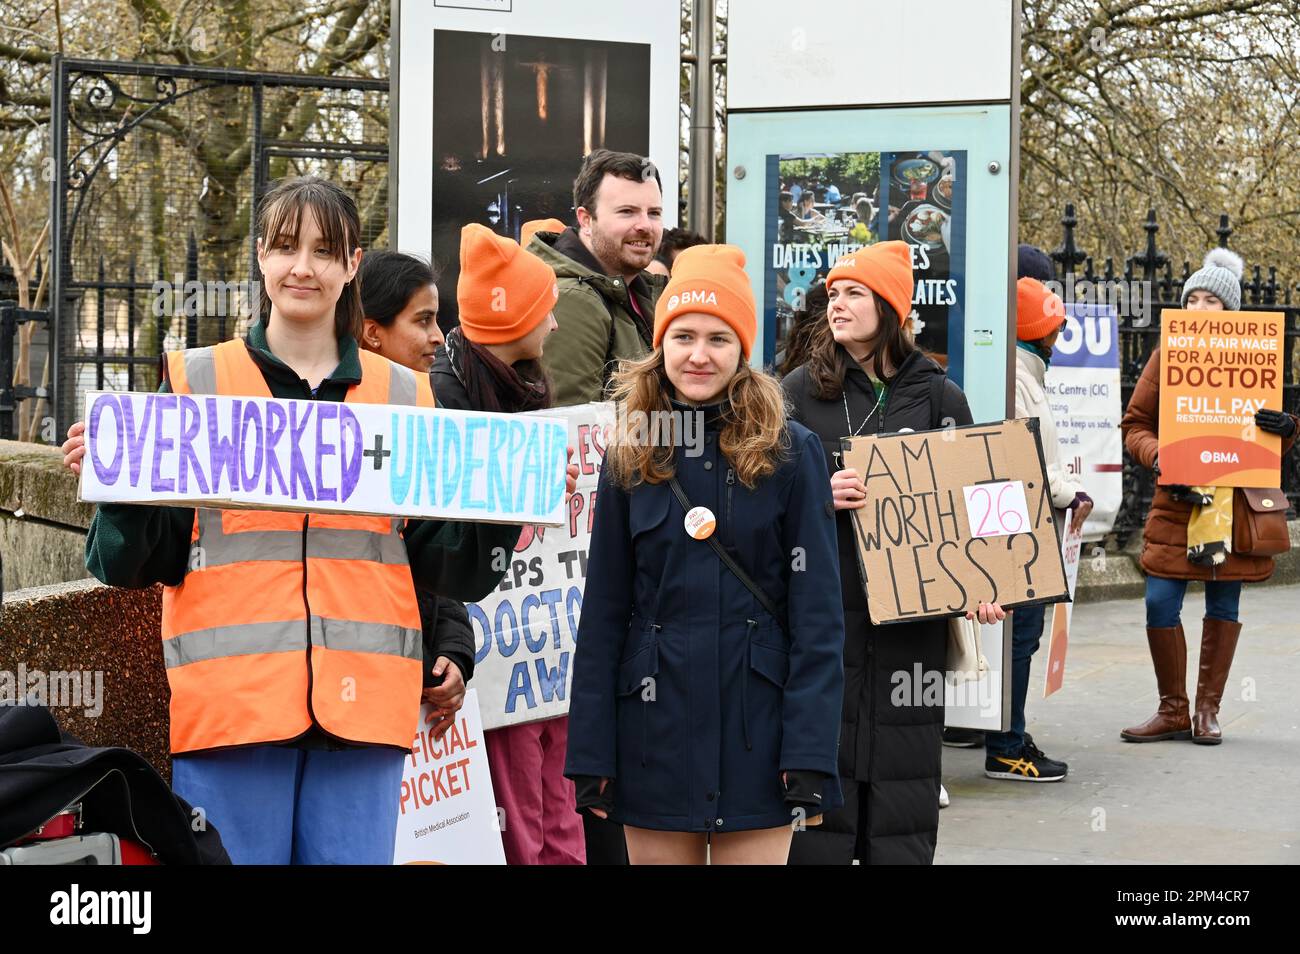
[805, 788]
[588, 794]
[1275, 422]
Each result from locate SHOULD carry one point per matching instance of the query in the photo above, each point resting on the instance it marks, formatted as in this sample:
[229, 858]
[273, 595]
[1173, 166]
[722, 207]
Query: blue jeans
[1026, 632]
[1165, 600]
[277, 806]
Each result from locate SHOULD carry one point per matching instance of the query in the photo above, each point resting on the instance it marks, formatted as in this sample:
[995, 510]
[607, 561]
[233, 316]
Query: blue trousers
[1165, 600]
[1026, 633]
[277, 806]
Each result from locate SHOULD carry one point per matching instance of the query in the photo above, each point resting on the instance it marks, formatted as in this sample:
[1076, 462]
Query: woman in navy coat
[697, 717]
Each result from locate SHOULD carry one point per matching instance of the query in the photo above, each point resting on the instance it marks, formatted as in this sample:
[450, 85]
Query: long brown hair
[754, 435]
[828, 362]
[279, 215]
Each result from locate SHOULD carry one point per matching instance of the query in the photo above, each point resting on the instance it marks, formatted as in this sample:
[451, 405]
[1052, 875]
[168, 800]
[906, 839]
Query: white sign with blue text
[324, 456]
[526, 630]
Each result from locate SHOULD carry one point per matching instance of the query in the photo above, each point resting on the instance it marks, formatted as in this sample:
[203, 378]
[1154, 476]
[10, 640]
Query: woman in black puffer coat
[865, 376]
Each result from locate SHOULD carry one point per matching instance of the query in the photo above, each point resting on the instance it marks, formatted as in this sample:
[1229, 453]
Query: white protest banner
[323, 456]
[1071, 544]
[1083, 390]
[448, 814]
[526, 630]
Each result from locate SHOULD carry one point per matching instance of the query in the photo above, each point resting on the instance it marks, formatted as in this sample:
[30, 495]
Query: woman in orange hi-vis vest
[292, 640]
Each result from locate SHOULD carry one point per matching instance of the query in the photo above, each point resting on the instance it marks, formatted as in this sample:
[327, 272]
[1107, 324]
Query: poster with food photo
[822, 205]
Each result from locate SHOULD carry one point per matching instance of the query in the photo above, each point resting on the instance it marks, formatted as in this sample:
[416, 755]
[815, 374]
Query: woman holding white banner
[865, 375]
[491, 362]
[291, 744]
[706, 687]
[1189, 535]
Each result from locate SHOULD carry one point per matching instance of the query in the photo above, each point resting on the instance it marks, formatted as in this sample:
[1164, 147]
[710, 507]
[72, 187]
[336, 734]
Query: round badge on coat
[700, 523]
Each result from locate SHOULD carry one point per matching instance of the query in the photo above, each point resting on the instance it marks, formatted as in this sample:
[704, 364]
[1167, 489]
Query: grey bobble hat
[1220, 276]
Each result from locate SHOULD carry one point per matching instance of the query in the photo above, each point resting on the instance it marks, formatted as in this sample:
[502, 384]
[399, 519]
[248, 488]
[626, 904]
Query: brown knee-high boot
[1218, 644]
[1169, 656]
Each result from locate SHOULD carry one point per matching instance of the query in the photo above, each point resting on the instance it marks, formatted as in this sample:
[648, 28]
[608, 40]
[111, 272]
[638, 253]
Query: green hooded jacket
[597, 324]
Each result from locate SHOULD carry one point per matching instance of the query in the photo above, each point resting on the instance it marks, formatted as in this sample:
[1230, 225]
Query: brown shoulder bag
[1259, 522]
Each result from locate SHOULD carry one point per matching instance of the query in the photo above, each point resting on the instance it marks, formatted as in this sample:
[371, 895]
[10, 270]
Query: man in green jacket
[607, 300]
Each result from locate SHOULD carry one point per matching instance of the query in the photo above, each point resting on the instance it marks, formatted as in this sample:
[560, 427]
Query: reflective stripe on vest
[285, 620]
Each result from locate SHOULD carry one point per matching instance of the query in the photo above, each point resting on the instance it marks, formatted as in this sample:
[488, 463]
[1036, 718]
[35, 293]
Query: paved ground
[1167, 802]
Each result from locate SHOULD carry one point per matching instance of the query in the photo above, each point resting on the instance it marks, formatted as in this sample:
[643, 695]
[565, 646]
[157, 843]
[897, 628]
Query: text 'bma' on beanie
[711, 280]
[885, 268]
[503, 291]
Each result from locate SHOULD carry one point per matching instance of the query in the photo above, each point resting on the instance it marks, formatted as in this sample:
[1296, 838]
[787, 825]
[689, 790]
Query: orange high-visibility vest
[289, 620]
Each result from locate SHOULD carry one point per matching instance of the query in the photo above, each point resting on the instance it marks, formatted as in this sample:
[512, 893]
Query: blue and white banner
[1084, 392]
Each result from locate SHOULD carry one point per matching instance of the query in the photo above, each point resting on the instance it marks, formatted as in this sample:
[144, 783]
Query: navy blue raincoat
[685, 691]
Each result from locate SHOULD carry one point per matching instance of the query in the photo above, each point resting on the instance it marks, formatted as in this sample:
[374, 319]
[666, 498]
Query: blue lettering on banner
[472, 463]
[520, 685]
[531, 602]
[498, 431]
[451, 460]
[551, 681]
[399, 478]
[426, 461]
[504, 647]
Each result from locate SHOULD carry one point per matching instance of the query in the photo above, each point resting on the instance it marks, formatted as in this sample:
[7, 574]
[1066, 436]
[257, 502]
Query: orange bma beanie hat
[529, 229]
[711, 280]
[503, 291]
[1039, 312]
[885, 268]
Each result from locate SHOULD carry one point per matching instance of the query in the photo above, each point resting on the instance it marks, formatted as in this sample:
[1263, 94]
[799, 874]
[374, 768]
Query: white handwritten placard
[385, 460]
[997, 508]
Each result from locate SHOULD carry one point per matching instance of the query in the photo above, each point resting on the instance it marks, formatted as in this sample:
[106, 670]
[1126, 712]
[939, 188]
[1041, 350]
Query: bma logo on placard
[492, 6]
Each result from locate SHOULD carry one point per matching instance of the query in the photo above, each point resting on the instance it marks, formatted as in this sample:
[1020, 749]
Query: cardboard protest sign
[1058, 642]
[1217, 368]
[955, 518]
[323, 456]
[526, 630]
[447, 812]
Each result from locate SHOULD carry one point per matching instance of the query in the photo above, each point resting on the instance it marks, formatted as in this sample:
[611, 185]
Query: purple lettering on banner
[158, 483]
[298, 473]
[191, 421]
[223, 452]
[252, 415]
[349, 451]
[297, 463]
[472, 463]
[106, 474]
[135, 437]
[324, 411]
[276, 421]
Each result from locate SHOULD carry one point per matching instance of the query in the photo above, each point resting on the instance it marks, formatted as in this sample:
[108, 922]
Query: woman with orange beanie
[865, 375]
[706, 684]
[490, 362]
